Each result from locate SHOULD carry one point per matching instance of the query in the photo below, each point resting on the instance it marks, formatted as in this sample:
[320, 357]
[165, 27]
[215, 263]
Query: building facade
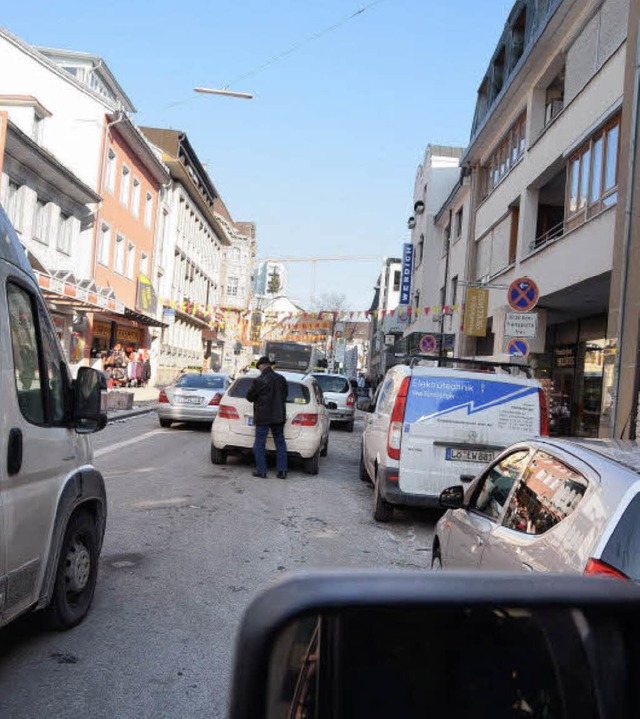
[387, 319]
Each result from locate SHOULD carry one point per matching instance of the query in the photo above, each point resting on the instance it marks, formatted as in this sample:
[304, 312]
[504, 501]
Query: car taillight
[394, 437]
[598, 568]
[351, 400]
[226, 411]
[215, 400]
[162, 397]
[544, 414]
[305, 420]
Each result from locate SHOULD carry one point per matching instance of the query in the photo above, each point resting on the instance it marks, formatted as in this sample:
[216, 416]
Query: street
[187, 546]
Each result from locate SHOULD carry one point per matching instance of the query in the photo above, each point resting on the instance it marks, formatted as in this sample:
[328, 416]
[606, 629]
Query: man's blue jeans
[259, 451]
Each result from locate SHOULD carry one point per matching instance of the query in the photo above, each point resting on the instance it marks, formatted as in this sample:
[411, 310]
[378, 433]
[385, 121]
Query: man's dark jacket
[268, 393]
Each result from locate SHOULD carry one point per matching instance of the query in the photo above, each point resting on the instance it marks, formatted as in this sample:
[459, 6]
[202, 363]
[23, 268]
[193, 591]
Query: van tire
[349, 426]
[325, 450]
[363, 474]
[166, 423]
[218, 456]
[312, 464]
[78, 563]
[382, 510]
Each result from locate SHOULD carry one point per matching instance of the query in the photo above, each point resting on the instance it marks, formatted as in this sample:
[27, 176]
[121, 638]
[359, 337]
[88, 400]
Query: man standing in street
[269, 396]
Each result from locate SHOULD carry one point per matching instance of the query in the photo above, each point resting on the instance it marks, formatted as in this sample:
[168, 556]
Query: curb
[130, 414]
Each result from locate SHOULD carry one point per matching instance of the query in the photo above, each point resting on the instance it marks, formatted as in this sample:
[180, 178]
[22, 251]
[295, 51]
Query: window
[458, 224]
[110, 177]
[118, 263]
[508, 153]
[623, 548]
[38, 124]
[546, 494]
[56, 385]
[135, 198]
[131, 260]
[513, 234]
[443, 297]
[554, 98]
[104, 252]
[420, 251]
[454, 290]
[232, 287]
[125, 181]
[13, 204]
[144, 264]
[148, 209]
[416, 298]
[234, 255]
[592, 178]
[396, 281]
[493, 490]
[65, 230]
[39, 224]
[25, 354]
[446, 240]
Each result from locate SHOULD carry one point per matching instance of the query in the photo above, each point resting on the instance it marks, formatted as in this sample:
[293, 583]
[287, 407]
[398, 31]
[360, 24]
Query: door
[42, 445]
[545, 495]
[377, 429]
[471, 527]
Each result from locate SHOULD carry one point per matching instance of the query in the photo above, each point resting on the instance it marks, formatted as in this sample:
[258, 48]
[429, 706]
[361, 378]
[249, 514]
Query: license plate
[250, 421]
[469, 455]
[188, 400]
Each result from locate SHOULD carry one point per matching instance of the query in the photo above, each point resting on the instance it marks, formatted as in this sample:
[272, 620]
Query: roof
[623, 452]
[138, 142]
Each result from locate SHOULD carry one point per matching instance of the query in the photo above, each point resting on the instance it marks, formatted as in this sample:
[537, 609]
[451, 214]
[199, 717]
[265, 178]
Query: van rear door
[456, 422]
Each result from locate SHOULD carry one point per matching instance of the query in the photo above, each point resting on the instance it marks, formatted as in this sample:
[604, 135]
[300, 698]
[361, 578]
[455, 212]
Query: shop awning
[64, 290]
[143, 319]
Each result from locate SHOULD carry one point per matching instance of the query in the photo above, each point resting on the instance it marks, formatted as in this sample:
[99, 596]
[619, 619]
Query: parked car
[306, 430]
[548, 506]
[53, 505]
[193, 397]
[428, 426]
[339, 398]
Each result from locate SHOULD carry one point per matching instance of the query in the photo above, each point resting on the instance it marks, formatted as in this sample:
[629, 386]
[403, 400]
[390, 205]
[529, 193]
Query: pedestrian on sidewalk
[268, 392]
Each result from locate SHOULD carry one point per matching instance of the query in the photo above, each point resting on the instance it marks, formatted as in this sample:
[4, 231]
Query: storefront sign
[407, 269]
[523, 324]
[127, 334]
[146, 300]
[101, 329]
[564, 356]
[389, 340]
[475, 313]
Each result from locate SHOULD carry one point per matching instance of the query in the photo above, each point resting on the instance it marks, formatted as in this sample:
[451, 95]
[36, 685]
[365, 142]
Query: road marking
[127, 442]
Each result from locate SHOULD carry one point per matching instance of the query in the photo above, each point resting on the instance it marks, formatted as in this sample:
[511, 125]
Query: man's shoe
[262, 475]
[282, 475]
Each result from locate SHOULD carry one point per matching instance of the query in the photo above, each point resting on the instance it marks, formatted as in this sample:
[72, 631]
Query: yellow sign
[475, 314]
[101, 329]
[127, 334]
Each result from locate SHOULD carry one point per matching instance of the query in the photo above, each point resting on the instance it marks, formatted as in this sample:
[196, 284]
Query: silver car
[339, 398]
[547, 506]
[194, 397]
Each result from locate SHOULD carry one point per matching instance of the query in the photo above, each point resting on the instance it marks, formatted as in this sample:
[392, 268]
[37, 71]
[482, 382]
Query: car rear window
[332, 384]
[199, 381]
[623, 548]
[298, 393]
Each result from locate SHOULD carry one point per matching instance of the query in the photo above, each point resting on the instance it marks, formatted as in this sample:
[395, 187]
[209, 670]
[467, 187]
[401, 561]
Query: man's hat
[264, 360]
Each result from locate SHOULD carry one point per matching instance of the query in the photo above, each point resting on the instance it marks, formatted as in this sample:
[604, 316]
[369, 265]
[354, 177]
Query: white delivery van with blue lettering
[432, 427]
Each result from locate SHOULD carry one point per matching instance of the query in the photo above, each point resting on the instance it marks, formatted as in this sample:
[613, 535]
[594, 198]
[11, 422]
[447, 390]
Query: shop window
[508, 153]
[548, 493]
[592, 183]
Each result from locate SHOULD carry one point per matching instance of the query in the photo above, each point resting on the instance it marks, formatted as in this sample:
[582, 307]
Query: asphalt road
[187, 546]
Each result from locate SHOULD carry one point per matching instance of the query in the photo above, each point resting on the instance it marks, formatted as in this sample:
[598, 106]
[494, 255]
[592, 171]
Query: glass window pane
[25, 355]
[522, 138]
[595, 190]
[584, 179]
[57, 380]
[574, 175]
[611, 162]
[495, 487]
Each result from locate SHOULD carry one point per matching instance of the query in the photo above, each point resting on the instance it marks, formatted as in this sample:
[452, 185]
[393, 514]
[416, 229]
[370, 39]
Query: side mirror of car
[322, 644]
[452, 497]
[88, 415]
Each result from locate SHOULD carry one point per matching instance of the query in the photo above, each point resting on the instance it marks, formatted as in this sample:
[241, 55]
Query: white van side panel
[451, 413]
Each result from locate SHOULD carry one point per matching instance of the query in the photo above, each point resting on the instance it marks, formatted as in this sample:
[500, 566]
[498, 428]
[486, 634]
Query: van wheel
[166, 423]
[76, 575]
[364, 475]
[349, 426]
[325, 450]
[382, 510]
[218, 456]
[312, 465]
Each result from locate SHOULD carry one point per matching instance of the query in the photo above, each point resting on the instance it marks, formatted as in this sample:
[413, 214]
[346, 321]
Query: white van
[53, 504]
[430, 427]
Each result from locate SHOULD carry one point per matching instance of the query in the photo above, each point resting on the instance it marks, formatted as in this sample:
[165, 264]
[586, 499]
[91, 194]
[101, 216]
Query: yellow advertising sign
[127, 334]
[101, 329]
[475, 314]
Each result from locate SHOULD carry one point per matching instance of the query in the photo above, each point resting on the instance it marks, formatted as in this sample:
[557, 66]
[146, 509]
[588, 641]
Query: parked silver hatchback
[547, 506]
[339, 398]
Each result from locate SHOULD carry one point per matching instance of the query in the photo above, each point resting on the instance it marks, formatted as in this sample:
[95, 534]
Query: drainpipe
[446, 282]
[628, 235]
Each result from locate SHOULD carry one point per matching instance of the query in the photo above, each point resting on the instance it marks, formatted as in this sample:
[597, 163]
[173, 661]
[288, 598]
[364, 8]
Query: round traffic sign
[518, 347]
[428, 344]
[523, 294]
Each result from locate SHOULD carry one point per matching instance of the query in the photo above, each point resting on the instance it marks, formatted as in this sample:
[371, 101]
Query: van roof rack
[413, 359]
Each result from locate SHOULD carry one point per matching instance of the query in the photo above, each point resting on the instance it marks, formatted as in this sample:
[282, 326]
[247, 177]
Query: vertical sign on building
[475, 314]
[4, 119]
[407, 270]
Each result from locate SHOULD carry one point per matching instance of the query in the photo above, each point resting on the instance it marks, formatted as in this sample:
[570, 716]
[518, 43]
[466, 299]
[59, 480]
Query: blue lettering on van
[432, 397]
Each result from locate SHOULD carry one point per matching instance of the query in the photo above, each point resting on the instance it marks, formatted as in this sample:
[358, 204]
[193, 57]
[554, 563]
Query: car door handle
[14, 451]
[479, 542]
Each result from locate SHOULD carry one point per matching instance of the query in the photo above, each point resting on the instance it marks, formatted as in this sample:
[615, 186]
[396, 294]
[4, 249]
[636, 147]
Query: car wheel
[218, 456]
[312, 464]
[349, 426]
[166, 423]
[382, 510]
[364, 475]
[436, 560]
[77, 572]
[325, 450]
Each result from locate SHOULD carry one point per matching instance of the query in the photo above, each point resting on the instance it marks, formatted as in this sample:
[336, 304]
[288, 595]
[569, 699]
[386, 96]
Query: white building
[388, 320]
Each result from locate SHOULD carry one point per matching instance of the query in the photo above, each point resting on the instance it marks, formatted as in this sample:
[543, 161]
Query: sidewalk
[144, 401]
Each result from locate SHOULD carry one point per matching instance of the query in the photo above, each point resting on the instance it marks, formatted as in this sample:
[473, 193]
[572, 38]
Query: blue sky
[324, 158]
